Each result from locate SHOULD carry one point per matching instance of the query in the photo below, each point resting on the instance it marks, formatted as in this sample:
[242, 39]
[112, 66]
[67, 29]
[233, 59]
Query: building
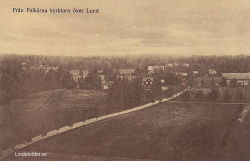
[84, 73]
[75, 74]
[126, 71]
[106, 85]
[129, 77]
[155, 69]
[184, 74]
[169, 65]
[212, 72]
[147, 82]
[195, 73]
[48, 68]
[241, 78]
[185, 65]
[100, 72]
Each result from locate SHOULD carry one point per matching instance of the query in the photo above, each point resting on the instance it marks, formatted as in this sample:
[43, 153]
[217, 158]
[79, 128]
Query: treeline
[15, 82]
[92, 81]
[218, 95]
[237, 63]
[126, 94]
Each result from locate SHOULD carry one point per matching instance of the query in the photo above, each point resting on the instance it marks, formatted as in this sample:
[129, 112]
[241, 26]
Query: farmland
[45, 111]
[167, 131]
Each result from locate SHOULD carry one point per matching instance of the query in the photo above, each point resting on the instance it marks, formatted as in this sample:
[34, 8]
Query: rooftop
[236, 75]
[126, 71]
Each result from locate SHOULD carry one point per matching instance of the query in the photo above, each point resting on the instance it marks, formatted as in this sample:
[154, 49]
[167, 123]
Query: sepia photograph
[124, 80]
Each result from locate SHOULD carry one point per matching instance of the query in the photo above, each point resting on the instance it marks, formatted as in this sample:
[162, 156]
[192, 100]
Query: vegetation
[227, 96]
[16, 82]
[92, 81]
[125, 94]
[214, 94]
[199, 96]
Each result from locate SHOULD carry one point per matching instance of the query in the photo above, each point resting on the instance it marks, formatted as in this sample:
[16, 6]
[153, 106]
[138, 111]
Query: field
[226, 94]
[167, 131]
[45, 111]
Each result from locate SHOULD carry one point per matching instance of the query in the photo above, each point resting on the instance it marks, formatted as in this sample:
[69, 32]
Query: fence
[7, 152]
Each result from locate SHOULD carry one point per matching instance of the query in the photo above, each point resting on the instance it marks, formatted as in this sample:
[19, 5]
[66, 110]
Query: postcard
[124, 80]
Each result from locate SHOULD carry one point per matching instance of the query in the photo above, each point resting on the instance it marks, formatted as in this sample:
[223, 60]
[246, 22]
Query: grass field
[167, 131]
[45, 111]
[235, 93]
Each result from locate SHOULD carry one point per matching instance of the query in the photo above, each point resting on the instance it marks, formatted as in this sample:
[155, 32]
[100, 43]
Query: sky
[127, 27]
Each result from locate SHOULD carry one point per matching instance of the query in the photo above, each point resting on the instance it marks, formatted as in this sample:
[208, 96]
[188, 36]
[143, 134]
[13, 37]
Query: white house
[126, 71]
[212, 72]
[182, 74]
[241, 78]
[195, 73]
[155, 69]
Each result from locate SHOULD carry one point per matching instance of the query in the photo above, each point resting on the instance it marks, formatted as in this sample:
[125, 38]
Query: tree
[125, 94]
[67, 80]
[156, 89]
[228, 96]
[223, 82]
[11, 82]
[240, 95]
[199, 95]
[214, 94]
[247, 97]
[233, 82]
[202, 82]
[92, 81]
[185, 96]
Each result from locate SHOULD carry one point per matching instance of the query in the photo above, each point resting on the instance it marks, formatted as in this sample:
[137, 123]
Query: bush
[227, 96]
[233, 82]
[240, 96]
[185, 96]
[214, 94]
[199, 95]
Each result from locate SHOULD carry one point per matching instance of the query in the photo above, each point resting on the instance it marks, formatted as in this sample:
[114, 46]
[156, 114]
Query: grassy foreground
[45, 111]
[167, 131]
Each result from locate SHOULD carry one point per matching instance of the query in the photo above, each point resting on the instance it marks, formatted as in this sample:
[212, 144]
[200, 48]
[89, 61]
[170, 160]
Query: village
[208, 78]
[43, 95]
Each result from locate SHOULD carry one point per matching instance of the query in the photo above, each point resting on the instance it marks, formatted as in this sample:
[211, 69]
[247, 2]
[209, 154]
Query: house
[84, 73]
[106, 85]
[184, 74]
[164, 88]
[212, 71]
[75, 75]
[102, 77]
[129, 77]
[155, 69]
[195, 73]
[147, 82]
[169, 65]
[241, 78]
[125, 74]
[185, 65]
[24, 65]
[126, 71]
[100, 72]
[48, 68]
